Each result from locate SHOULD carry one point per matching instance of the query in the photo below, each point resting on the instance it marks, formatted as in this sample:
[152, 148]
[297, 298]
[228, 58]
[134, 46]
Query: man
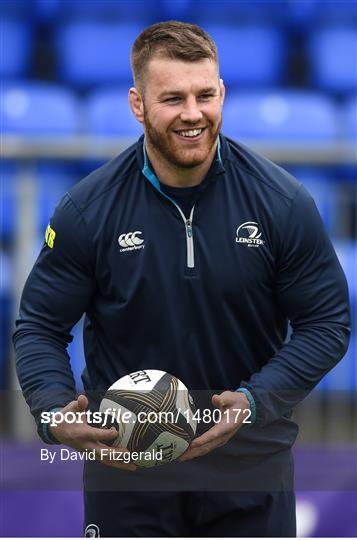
[188, 253]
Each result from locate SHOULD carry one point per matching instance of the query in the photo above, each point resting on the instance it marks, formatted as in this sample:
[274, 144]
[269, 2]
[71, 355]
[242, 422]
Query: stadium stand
[18, 9]
[263, 61]
[93, 53]
[107, 113]
[105, 10]
[230, 12]
[16, 38]
[341, 12]
[31, 108]
[312, 13]
[287, 116]
[8, 202]
[332, 52]
[350, 118]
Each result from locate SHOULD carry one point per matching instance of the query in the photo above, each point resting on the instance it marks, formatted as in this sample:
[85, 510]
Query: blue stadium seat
[282, 115]
[48, 10]
[100, 9]
[108, 113]
[8, 202]
[351, 117]
[249, 55]
[238, 11]
[38, 108]
[18, 9]
[301, 13]
[178, 10]
[337, 11]
[332, 53]
[312, 12]
[17, 48]
[92, 53]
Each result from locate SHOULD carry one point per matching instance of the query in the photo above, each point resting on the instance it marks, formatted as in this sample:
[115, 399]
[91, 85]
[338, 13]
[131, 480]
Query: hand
[220, 433]
[81, 436]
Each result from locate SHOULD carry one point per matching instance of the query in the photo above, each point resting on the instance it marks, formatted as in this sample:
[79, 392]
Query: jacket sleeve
[311, 291]
[56, 294]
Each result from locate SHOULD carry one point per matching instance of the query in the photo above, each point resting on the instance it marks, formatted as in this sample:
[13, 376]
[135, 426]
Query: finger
[99, 434]
[224, 400]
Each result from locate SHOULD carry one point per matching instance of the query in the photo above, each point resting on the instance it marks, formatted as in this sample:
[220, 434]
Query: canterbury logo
[248, 233]
[131, 241]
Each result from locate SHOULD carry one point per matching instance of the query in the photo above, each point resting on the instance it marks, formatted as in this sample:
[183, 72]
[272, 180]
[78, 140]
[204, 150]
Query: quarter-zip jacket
[207, 299]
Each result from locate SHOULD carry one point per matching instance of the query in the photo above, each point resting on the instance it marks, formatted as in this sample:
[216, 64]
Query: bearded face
[182, 110]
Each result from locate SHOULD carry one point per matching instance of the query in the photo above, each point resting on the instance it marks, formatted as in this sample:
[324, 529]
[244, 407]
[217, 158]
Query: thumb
[82, 402]
[78, 405]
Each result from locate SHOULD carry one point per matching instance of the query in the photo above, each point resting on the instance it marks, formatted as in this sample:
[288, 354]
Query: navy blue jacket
[207, 299]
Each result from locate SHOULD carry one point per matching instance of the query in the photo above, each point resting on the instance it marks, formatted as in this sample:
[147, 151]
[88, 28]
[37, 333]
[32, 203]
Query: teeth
[191, 132]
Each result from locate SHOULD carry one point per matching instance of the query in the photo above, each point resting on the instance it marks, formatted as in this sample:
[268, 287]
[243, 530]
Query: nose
[191, 112]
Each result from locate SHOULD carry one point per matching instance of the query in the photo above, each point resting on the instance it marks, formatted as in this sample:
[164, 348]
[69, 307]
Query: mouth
[190, 134]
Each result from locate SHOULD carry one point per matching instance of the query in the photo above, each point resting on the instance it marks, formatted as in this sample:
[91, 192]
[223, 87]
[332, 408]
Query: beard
[163, 143]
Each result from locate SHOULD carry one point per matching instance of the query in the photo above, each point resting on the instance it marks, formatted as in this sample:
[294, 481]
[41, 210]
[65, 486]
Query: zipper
[147, 172]
[189, 235]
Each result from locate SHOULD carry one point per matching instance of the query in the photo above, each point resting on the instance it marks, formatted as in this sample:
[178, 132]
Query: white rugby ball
[154, 414]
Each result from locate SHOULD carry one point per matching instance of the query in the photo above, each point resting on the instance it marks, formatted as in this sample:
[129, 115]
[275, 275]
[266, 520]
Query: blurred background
[290, 68]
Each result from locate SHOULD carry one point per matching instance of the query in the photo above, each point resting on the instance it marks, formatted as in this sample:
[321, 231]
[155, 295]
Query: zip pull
[189, 239]
[189, 228]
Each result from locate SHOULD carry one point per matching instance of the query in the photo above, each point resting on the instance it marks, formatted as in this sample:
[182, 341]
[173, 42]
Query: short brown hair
[170, 39]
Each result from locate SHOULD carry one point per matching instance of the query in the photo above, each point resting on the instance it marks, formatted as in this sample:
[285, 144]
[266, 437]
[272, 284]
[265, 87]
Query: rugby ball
[154, 414]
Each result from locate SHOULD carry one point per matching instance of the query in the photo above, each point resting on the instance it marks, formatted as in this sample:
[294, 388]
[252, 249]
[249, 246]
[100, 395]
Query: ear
[222, 90]
[136, 104]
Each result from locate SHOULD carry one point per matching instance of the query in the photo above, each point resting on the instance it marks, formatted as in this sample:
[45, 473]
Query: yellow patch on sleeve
[50, 236]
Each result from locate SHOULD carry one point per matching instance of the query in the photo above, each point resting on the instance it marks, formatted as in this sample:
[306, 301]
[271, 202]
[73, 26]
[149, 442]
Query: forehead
[165, 74]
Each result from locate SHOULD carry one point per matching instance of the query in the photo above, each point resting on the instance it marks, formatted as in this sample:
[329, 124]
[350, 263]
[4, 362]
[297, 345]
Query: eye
[205, 97]
[172, 100]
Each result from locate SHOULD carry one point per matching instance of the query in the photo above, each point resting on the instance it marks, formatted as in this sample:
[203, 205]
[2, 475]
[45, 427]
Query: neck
[175, 176]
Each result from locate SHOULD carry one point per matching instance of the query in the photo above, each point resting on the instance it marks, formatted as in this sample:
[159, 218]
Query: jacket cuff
[252, 405]
[44, 431]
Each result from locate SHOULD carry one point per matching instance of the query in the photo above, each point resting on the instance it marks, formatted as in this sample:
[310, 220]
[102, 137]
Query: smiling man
[191, 253]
